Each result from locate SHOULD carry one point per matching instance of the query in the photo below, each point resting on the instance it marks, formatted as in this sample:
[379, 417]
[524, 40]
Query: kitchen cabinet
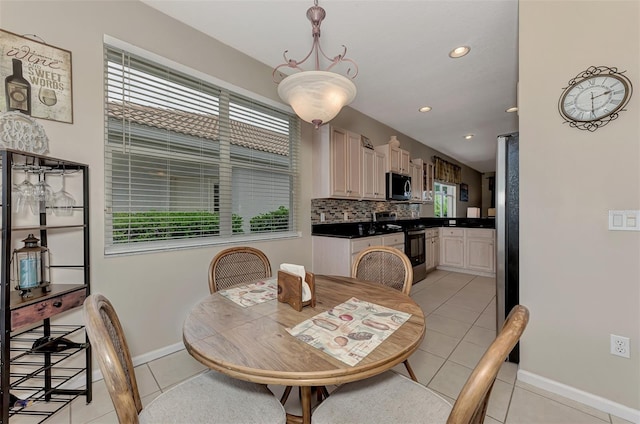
[470, 250]
[480, 250]
[37, 374]
[397, 159]
[373, 186]
[416, 179]
[394, 240]
[337, 163]
[432, 250]
[427, 182]
[335, 255]
[452, 247]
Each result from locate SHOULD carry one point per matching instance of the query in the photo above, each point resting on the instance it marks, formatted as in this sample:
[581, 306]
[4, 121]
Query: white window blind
[188, 163]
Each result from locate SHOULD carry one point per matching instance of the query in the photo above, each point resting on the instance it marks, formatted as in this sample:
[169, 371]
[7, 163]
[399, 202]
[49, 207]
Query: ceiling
[401, 49]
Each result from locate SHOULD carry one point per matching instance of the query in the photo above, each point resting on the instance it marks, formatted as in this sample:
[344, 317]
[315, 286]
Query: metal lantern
[30, 266]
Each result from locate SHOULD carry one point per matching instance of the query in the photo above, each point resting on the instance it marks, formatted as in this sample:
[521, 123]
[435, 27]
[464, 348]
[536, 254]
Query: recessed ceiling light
[459, 52]
[425, 109]
[512, 109]
[468, 136]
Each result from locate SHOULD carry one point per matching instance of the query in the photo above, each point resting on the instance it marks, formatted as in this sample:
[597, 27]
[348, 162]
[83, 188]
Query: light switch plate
[624, 220]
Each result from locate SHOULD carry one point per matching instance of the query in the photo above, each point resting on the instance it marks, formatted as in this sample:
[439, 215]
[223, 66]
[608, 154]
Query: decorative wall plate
[21, 132]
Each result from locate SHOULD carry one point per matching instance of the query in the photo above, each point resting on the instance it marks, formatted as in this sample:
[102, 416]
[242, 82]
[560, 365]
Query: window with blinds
[188, 163]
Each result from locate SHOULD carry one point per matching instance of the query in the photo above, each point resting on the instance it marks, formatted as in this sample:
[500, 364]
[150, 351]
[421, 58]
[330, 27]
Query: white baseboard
[466, 271]
[578, 395]
[140, 359]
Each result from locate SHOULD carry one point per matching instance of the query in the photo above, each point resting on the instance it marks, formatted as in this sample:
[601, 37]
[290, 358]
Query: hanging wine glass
[24, 198]
[42, 196]
[63, 202]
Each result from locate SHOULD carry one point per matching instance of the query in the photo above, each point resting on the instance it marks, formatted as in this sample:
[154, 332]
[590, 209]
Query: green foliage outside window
[165, 225]
[440, 205]
[273, 221]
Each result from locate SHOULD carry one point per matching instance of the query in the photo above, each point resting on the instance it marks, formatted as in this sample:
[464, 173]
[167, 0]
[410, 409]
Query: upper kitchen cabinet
[416, 180]
[337, 163]
[397, 159]
[427, 182]
[373, 164]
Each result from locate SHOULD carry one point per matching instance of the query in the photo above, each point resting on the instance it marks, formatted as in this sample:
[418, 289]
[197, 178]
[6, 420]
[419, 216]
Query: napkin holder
[290, 289]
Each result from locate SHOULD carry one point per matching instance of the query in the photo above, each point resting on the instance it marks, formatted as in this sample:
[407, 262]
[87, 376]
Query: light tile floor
[460, 311]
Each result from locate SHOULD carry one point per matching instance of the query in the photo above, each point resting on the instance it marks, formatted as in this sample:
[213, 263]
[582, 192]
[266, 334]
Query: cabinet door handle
[57, 303]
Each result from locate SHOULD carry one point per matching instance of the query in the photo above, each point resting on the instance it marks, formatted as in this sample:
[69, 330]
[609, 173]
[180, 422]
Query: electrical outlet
[620, 346]
[346, 216]
[322, 217]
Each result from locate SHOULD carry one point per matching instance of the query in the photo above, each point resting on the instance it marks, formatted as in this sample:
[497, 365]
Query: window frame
[439, 197]
[287, 167]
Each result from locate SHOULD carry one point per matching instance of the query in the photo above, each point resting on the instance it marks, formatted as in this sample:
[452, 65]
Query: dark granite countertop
[352, 230]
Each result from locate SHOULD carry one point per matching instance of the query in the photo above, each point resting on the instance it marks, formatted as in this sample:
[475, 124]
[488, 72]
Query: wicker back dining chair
[385, 265]
[388, 266]
[237, 265]
[210, 397]
[393, 398]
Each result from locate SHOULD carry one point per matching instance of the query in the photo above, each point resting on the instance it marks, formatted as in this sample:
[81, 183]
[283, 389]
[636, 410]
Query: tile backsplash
[357, 210]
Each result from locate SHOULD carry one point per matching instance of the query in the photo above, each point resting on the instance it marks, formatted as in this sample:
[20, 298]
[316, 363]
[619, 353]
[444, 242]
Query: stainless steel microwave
[398, 186]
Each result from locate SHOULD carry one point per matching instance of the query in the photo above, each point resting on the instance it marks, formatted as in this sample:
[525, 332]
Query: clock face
[594, 97]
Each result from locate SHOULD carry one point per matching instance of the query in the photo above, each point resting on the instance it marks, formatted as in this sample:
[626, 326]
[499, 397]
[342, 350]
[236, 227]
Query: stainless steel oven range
[414, 241]
[414, 248]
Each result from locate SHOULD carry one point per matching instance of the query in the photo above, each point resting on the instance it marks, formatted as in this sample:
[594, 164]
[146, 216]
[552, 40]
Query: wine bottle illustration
[18, 90]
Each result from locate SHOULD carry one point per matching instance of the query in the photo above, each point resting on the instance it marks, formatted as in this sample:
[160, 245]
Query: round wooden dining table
[252, 343]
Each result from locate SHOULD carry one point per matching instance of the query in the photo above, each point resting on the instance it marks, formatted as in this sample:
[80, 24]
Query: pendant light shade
[317, 96]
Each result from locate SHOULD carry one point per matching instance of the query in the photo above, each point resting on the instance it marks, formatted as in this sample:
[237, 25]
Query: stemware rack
[45, 381]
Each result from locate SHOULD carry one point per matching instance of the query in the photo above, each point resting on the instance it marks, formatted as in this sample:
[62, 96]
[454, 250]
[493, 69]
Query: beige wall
[580, 280]
[152, 292]
[155, 290]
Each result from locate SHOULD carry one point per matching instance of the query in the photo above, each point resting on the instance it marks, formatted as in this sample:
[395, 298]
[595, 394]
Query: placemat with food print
[351, 330]
[253, 293]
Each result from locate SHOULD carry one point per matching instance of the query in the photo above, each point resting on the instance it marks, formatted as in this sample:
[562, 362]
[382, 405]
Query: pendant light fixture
[316, 96]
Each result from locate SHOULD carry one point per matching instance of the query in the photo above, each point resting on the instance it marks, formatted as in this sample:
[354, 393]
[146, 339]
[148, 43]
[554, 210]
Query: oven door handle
[416, 232]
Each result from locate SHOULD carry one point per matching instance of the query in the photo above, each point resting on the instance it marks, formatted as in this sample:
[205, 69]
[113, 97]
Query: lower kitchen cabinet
[480, 250]
[334, 255]
[469, 250]
[394, 240]
[452, 247]
[432, 248]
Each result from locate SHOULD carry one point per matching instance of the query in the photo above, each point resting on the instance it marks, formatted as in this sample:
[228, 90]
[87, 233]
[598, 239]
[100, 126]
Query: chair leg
[285, 395]
[323, 393]
[410, 371]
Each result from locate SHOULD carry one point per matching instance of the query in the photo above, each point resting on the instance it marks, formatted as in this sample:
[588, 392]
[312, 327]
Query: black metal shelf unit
[43, 380]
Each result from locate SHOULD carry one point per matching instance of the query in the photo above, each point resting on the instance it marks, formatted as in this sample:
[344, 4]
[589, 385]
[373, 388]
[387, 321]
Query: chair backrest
[471, 405]
[385, 265]
[107, 340]
[237, 265]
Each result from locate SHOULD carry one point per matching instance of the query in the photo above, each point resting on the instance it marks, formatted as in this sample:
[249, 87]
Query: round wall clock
[594, 98]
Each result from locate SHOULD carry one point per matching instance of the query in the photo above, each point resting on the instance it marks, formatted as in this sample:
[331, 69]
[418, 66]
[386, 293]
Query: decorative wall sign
[464, 192]
[35, 78]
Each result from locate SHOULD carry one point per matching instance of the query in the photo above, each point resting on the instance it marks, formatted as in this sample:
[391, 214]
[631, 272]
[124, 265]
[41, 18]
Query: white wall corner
[600, 403]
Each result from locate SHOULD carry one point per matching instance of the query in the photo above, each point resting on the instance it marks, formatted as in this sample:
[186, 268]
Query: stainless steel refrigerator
[507, 186]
